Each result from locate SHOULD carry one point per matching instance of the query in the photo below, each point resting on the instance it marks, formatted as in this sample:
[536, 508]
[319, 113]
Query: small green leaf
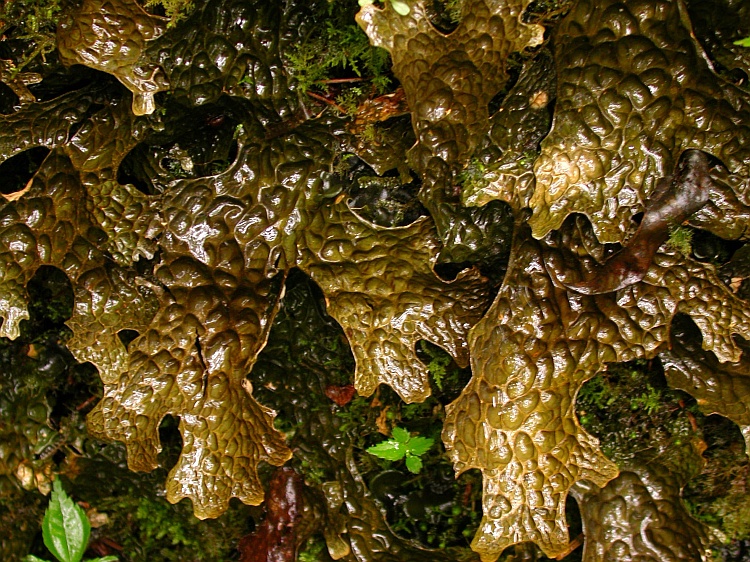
[414, 464]
[32, 558]
[65, 528]
[364, 3]
[419, 445]
[389, 450]
[401, 435]
[103, 559]
[743, 42]
[401, 8]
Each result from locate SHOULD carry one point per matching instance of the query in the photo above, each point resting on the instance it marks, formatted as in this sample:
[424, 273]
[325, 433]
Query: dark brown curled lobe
[688, 190]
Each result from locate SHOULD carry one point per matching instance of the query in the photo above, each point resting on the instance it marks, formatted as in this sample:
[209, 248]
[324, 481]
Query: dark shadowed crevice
[127, 336]
[64, 80]
[171, 442]
[16, 171]
[8, 99]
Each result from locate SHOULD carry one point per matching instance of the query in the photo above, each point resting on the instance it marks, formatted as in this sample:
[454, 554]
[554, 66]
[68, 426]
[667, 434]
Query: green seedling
[65, 530]
[743, 42]
[403, 445]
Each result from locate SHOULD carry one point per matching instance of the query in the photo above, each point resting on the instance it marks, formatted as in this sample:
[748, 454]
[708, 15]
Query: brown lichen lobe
[635, 91]
[679, 197]
[627, 111]
[111, 35]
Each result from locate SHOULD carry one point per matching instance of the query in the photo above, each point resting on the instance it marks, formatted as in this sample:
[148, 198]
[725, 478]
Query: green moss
[719, 495]
[349, 100]
[631, 410]
[175, 10]
[681, 239]
[30, 23]
[338, 49]
[313, 551]
[472, 177]
[150, 528]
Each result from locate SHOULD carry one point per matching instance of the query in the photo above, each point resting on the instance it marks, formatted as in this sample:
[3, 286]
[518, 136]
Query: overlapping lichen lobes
[533, 350]
[127, 217]
[42, 124]
[640, 516]
[110, 35]
[516, 130]
[450, 79]
[42, 228]
[225, 237]
[516, 420]
[250, 217]
[634, 91]
[722, 388]
[223, 43]
[380, 286]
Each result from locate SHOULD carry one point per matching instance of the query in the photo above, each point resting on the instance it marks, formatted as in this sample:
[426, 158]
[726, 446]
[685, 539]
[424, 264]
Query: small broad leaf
[65, 528]
[401, 435]
[419, 445]
[743, 42]
[32, 558]
[401, 8]
[414, 464]
[102, 559]
[390, 450]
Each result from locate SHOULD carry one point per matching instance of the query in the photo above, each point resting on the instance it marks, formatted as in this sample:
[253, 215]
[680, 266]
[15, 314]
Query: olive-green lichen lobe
[634, 91]
[110, 35]
[184, 225]
[533, 350]
[385, 294]
[643, 500]
[449, 81]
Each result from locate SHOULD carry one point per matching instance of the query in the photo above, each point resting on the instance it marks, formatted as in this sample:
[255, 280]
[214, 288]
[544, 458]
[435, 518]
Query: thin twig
[340, 80]
[575, 543]
[326, 100]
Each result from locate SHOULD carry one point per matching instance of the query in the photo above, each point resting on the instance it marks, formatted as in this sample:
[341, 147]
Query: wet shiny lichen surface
[187, 184]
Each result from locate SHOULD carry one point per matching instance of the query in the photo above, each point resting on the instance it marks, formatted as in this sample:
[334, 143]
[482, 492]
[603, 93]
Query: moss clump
[681, 239]
[631, 410]
[175, 10]
[719, 496]
[338, 49]
[29, 27]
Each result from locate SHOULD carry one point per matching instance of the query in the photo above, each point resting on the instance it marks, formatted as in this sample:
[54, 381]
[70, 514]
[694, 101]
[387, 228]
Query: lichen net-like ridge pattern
[635, 90]
[534, 349]
[223, 244]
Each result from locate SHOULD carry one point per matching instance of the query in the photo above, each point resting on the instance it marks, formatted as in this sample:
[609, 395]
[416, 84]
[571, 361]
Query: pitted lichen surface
[639, 515]
[221, 245]
[634, 91]
[534, 349]
[181, 191]
[381, 288]
[449, 81]
[110, 35]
